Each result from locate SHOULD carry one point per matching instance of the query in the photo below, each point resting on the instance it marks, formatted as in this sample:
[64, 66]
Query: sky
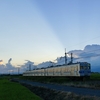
[40, 30]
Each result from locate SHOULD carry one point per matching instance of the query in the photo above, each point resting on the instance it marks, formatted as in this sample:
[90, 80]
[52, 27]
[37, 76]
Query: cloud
[90, 53]
[1, 62]
[7, 67]
[27, 65]
[45, 64]
[9, 60]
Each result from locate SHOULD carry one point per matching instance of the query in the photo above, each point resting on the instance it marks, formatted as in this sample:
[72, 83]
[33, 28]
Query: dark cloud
[9, 60]
[1, 60]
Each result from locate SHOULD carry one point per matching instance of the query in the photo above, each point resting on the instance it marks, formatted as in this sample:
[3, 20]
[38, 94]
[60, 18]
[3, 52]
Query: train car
[80, 69]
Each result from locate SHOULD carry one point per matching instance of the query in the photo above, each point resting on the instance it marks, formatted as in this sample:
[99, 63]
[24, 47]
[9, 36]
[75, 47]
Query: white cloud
[7, 67]
[91, 54]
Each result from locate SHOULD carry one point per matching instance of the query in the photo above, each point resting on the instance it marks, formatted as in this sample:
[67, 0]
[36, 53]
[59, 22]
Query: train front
[85, 69]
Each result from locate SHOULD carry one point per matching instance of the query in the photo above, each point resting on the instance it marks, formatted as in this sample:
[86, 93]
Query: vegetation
[15, 91]
[49, 94]
[95, 76]
[47, 79]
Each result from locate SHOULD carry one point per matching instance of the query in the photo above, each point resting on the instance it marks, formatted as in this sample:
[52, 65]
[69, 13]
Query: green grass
[95, 76]
[46, 79]
[15, 91]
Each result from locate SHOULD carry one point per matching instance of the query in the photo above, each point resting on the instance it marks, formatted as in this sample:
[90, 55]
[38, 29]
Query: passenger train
[79, 70]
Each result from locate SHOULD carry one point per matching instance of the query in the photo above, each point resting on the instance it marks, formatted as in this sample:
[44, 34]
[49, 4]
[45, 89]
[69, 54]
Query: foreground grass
[15, 91]
[95, 76]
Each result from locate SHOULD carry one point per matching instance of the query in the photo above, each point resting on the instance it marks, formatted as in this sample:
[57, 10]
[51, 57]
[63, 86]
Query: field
[15, 91]
[95, 76]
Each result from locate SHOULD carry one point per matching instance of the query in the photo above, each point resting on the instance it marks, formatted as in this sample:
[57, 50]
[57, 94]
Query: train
[78, 70]
[75, 70]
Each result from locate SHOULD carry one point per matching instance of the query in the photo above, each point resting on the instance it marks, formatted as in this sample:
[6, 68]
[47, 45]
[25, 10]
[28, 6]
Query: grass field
[15, 91]
[95, 76]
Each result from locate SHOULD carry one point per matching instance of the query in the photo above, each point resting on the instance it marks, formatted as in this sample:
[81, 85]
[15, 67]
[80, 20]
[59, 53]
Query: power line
[83, 51]
[85, 41]
[62, 61]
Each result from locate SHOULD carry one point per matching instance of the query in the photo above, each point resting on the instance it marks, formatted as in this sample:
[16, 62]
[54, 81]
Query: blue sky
[39, 30]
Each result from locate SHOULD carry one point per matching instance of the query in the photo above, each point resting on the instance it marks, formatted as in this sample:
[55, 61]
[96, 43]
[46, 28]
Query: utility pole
[65, 57]
[29, 67]
[18, 70]
[71, 57]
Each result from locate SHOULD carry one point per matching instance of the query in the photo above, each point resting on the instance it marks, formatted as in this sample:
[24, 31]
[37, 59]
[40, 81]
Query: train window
[88, 67]
[63, 69]
[85, 67]
[81, 67]
[66, 69]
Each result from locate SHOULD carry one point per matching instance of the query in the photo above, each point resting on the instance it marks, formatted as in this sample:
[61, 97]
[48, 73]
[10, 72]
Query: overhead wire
[83, 56]
[85, 41]
[81, 42]
[83, 51]
[68, 58]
